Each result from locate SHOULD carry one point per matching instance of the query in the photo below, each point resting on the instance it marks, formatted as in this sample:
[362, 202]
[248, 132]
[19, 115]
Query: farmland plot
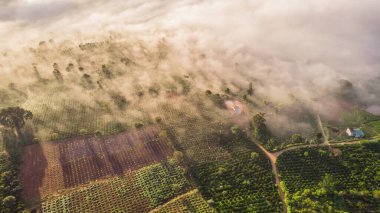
[53, 166]
[189, 202]
[241, 184]
[347, 180]
[135, 191]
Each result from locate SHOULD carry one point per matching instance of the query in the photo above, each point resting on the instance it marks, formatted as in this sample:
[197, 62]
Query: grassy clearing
[317, 180]
[356, 118]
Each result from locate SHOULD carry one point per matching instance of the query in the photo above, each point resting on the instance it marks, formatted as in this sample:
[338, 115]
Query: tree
[297, 138]
[235, 129]
[250, 89]
[260, 129]
[178, 156]
[106, 72]
[14, 118]
[259, 120]
[9, 201]
[327, 183]
[57, 73]
[254, 155]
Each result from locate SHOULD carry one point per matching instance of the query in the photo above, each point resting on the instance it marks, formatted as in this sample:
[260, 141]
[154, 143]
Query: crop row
[352, 170]
[241, 184]
[68, 163]
[135, 191]
[190, 202]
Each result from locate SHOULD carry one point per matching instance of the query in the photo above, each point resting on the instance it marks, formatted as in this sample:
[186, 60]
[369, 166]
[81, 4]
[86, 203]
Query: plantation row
[136, 191]
[244, 183]
[200, 137]
[190, 202]
[69, 163]
[346, 178]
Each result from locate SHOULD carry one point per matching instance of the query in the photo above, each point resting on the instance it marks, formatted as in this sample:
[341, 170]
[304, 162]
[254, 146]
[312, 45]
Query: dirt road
[274, 156]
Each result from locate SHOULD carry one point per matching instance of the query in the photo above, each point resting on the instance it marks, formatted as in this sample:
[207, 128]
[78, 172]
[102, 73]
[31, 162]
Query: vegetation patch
[161, 182]
[318, 180]
[189, 202]
[244, 183]
[118, 194]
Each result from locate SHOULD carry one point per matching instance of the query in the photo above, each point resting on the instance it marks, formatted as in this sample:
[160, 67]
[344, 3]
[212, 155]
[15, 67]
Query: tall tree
[14, 118]
[250, 89]
[260, 129]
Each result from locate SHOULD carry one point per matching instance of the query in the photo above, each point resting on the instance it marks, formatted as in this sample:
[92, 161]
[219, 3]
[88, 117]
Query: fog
[285, 47]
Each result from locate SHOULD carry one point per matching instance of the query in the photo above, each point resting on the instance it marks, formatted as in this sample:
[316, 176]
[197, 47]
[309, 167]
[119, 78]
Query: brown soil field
[50, 167]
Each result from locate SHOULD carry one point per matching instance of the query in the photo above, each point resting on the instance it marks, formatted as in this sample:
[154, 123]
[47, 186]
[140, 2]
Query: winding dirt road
[274, 156]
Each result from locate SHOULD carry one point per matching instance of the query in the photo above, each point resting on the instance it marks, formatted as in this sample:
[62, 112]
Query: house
[237, 110]
[357, 133]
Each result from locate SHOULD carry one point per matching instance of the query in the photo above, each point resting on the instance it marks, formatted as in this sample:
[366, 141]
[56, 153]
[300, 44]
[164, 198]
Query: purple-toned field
[53, 166]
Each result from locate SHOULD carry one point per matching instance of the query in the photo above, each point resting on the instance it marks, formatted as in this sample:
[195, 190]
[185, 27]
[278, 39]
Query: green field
[136, 191]
[240, 184]
[191, 202]
[345, 180]
[370, 124]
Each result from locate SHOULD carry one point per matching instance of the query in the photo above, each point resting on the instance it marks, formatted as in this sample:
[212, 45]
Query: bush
[158, 120]
[178, 156]
[254, 155]
[119, 100]
[235, 129]
[98, 133]
[139, 125]
[54, 136]
[297, 138]
[83, 132]
[36, 140]
[9, 201]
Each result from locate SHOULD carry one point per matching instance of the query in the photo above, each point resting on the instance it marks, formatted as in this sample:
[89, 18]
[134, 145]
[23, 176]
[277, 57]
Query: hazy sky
[302, 44]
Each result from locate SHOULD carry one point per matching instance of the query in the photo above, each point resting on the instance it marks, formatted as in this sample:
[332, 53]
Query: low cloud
[285, 47]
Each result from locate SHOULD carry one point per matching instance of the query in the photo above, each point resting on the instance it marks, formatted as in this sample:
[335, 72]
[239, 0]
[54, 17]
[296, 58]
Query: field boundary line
[174, 200]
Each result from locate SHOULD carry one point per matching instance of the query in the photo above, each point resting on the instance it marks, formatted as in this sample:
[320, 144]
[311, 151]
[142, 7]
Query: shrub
[139, 125]
[54, 136]
[158, 120]
[36, 140]
[98, 133]
[297, 138]
[254, 155]
[178, 156]
[83, 132]
[9, 201]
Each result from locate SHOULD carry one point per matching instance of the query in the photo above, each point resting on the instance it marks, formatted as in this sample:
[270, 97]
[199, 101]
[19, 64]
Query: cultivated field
[53, 166]
[345, 178]
[135, 191]
[189, 202]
